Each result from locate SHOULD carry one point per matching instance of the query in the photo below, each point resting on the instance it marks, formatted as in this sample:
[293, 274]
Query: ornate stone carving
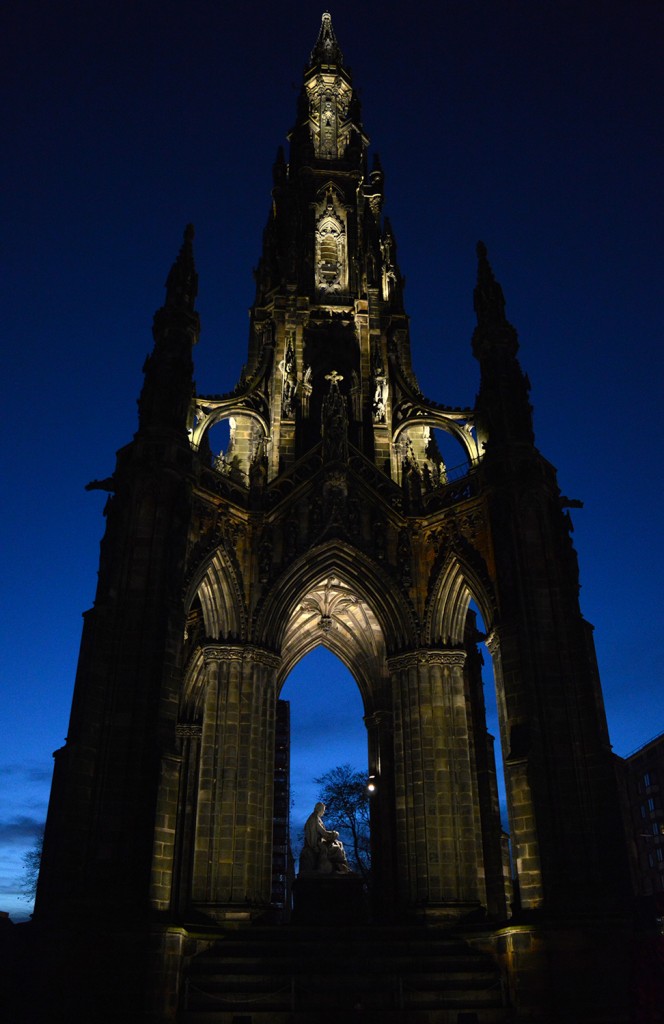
[426, 656]
[188, 730]
[334, 601]
[224, 533]
[334, 421]
[382, 718]
[331, 268]
[379, 403]
[289, 379]
[265, 555]
[217, 653]
[492, 641]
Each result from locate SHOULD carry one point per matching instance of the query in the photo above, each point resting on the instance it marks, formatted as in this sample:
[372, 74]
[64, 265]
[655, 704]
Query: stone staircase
[298, 974]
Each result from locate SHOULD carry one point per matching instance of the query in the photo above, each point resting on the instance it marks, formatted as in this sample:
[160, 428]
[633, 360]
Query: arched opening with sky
[327, 730]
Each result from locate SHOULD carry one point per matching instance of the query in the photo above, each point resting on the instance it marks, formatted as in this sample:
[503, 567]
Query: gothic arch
[332, 189]
[377, 590]
[209, 413]
[216, 584]
[192, 695]
[456, 584]
[330, 241]
[333, 615]
[440, 421]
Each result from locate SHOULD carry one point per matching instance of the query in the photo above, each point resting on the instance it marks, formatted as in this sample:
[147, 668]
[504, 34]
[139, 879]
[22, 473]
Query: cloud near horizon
[27, 773]
[20, 830]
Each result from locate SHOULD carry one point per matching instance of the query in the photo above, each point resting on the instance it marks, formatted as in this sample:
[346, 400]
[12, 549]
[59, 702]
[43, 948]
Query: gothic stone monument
[332, 518]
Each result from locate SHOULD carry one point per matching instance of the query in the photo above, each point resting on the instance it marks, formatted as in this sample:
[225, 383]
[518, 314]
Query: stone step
[355, 944]
[377, 962]
[462, 981]
[259, 975]
[236, 948]
[413, 935]
[318, 1016]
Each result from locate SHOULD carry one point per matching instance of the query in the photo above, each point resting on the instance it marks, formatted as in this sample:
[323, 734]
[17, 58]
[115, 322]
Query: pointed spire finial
[504, 411]
[489, 300]
[182, 281]
[326, 50]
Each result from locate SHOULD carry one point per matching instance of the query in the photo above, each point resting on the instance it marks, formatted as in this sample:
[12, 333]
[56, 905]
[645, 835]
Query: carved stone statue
[334, 421]
[378, 406]
[323, 852]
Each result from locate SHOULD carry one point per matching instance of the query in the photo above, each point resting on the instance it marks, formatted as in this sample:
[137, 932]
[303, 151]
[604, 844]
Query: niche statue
[323, 852]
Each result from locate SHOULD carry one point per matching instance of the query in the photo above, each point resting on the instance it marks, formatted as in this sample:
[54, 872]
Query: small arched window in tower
[329, 255]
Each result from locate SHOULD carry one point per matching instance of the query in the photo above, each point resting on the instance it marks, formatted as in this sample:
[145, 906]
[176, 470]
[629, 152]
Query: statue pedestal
[329, 899]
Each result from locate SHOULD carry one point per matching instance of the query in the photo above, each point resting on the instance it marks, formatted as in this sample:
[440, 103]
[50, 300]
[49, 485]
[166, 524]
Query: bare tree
[31, 865]
[344, 793]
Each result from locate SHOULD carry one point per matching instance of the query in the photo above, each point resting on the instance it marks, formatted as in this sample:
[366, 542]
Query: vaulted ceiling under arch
[454, 589]
[331, 613]
[220, 597]
[395, 617]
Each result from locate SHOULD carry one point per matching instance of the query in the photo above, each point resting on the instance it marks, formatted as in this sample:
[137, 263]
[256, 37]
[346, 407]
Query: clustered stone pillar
[167, 815]
[514, 731]
[438, 830]
[233, 844]
[189, 737]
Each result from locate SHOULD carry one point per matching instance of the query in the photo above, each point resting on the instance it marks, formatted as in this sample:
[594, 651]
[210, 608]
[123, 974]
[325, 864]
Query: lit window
[651, 804]
[646, 779]
[329, 253]
[655, 828]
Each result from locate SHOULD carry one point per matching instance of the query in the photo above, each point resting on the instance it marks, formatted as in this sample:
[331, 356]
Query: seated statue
[323, 852]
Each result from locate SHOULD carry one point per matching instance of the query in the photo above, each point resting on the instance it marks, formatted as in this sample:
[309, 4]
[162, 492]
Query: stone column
[189, 737]
[161, 876]
[514, 731]
[381, 802]
[233, 854]
[174, 821]
[439, 860]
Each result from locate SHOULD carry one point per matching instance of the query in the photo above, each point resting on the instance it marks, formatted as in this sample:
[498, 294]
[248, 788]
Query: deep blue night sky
[535, 126]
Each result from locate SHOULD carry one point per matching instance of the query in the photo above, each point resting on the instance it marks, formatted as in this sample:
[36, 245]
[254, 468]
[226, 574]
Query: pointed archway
[332, 609]
[327, 731]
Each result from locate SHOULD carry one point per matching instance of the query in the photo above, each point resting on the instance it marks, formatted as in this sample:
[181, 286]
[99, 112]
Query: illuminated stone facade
[332, 517]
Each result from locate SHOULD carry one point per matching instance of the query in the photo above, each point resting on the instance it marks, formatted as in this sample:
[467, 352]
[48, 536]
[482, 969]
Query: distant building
[644, 789]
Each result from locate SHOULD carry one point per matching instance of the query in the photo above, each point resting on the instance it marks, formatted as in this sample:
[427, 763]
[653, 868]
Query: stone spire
[182, 281]
[326, 50]
[327, 281]
[489, 303]
[504, 411]
[168, 385]
[329, 121]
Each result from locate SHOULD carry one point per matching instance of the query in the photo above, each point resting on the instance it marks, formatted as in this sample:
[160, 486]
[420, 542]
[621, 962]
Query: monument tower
[331, 517]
